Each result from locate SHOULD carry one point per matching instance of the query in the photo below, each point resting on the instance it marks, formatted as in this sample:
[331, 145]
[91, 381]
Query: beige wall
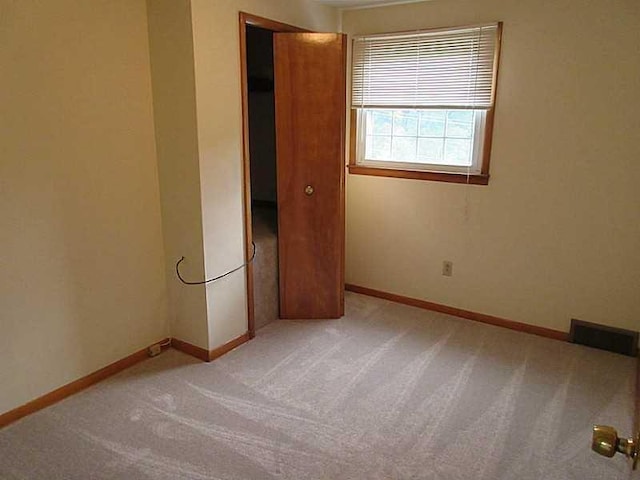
[556, 233]
[82, 281]
[171, 48]
[217, 79]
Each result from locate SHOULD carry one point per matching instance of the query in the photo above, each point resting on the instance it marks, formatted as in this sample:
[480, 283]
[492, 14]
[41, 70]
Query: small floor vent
[605, 338]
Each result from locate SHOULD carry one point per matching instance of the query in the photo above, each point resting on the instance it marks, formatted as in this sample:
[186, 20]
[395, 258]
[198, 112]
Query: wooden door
[310, 97]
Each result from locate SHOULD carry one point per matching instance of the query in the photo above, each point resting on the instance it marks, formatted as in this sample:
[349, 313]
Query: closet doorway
[262, 167]
[294, 105]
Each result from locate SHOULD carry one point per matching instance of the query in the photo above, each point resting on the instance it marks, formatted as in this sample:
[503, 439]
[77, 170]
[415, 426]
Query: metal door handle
[309, 190]
[606, 442]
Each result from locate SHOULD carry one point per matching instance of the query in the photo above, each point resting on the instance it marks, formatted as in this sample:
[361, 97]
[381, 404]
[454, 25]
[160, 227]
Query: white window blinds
[452, 68]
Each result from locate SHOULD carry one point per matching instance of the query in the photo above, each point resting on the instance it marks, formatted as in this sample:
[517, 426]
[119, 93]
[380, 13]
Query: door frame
[248, 19]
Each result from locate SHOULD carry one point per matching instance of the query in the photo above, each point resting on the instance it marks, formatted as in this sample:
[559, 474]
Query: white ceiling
[363, 3]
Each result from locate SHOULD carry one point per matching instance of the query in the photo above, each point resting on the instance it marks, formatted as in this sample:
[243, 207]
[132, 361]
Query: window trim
[481, 178]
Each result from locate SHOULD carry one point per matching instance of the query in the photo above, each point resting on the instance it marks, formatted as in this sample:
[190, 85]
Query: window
[422, 103]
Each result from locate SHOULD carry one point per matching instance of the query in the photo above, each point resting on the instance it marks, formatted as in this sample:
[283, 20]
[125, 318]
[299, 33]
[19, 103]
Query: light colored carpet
[388, 392]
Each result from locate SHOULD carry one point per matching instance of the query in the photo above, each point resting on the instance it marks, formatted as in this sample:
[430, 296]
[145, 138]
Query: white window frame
[480, 120]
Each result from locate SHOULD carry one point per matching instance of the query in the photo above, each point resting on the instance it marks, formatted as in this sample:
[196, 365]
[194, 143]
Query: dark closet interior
[262, 151]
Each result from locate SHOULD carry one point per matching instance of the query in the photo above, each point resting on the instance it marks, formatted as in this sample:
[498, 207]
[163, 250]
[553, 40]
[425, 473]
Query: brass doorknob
[309, 190]
[606, 442]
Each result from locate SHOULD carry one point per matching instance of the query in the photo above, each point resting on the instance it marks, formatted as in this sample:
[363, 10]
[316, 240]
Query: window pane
[460, 123]
[404, 149]
[378, 148]
[430, 150]
[379, 122]
[457, 152]
[405, 122]
[432, 123]
[438, 137]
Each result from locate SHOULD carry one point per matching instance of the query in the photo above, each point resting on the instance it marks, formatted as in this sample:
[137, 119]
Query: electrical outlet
[155, 350]
[447, 268]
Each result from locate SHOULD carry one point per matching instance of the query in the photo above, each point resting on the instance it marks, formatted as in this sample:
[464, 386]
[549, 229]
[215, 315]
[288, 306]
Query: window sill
[475, 179]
